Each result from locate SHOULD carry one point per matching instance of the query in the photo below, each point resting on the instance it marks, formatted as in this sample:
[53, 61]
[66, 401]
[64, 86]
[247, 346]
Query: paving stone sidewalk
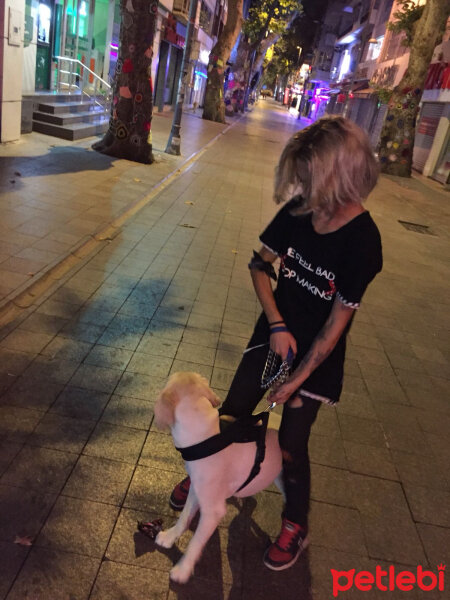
[81, 460]
[55, 194]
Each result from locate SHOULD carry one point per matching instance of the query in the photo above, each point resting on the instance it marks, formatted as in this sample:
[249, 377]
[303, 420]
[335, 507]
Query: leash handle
[276, 370]
[290, 357]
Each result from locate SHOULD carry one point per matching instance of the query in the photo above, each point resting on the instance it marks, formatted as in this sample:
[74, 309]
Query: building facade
[357, 56]
[432, 141]
[36, 32]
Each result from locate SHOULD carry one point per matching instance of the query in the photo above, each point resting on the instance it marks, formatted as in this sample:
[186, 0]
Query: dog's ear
[207, 391]
[165, 409]
[213, 398]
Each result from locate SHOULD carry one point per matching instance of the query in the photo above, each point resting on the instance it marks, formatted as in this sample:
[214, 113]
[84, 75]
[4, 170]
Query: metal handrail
[73, 74]
[75, 60]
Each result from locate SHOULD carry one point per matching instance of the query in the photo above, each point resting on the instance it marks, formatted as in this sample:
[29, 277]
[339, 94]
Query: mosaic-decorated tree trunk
[214, 108]
[129, 133]
[397, 136]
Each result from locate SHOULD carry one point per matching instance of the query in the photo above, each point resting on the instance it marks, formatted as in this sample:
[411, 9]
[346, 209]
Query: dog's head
[181, 386]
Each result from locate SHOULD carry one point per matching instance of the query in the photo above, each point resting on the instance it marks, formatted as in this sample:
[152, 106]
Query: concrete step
[74, 131]
[53, 97]
[64, 107]
[68, 118]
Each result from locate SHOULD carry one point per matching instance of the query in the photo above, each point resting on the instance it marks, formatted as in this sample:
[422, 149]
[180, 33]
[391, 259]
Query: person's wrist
[277, 322]
[279, 329]
[295, 382]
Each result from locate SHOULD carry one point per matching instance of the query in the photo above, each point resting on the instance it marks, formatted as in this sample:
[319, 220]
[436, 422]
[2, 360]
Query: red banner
[438, 76]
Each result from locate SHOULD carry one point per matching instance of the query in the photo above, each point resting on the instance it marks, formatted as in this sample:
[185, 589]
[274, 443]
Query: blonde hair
[329, 163]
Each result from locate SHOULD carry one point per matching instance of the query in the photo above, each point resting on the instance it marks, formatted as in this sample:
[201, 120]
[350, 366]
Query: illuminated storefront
[78, 29]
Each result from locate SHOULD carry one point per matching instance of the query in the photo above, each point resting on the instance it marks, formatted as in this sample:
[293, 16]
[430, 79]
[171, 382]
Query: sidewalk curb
[26, 295]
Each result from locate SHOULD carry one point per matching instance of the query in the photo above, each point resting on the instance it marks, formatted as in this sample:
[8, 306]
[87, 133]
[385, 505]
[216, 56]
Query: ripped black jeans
[245, 393]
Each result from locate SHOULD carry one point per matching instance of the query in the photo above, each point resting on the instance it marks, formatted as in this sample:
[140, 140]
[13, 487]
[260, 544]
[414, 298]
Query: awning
[365, 92]
[360, 85]
[354, 87]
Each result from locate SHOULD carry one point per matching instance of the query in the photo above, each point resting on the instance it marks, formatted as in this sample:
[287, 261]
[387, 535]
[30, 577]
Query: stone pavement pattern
[81, 461]
[55, 194]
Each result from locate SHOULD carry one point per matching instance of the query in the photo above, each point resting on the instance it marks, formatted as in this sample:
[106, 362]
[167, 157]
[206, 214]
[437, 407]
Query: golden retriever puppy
[188, 406]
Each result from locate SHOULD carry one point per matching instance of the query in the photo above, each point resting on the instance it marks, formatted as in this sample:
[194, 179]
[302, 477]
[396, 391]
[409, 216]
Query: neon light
[114, 46]
[204, 56]
[345, 65]
[200, 74]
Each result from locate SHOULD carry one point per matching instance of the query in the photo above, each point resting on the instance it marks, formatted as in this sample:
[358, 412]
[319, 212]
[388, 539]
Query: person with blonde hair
[329, 250]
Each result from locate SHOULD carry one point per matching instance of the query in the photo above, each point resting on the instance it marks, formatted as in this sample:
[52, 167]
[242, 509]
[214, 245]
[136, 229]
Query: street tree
[295, 44]
[214, 106]
[283, 62]
[271, 40]
[424, 26]
[267, 21]
[129, 132]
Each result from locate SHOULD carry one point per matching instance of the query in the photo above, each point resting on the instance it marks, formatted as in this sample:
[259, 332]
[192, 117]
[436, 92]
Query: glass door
[85, 34]
[44, 44]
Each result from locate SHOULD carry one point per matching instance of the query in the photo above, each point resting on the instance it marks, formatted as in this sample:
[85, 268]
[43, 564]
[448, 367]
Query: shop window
[375, 49]
[44, 23]
[206, 18]
[386, 10]
[394, 46]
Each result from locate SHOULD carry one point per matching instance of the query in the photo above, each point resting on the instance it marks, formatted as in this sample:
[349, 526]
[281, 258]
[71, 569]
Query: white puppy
[189, 407]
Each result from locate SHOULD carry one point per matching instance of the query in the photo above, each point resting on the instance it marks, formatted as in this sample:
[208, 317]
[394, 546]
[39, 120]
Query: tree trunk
[397, 137]
[129, 134]
[270, 40]
[260, 48]
[214, 109]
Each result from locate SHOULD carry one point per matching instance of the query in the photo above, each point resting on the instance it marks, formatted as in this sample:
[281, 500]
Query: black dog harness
[241, 431]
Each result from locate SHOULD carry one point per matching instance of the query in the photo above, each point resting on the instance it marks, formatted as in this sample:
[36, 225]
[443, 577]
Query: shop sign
[385, 77]
[170, 31]
[362, 73]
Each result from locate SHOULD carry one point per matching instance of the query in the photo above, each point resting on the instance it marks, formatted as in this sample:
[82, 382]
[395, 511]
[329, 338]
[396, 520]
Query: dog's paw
[180, 573]
[166, 539]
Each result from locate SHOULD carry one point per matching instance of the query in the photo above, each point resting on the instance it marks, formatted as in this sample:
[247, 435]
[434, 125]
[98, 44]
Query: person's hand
[282, 394]
[280, 343]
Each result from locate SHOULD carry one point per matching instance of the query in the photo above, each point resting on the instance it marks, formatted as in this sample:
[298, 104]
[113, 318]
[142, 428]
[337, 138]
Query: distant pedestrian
[330, 250]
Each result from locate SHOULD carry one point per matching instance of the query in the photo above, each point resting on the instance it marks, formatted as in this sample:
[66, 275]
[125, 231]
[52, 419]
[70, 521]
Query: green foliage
[406, 19]
[269, 16]
[384, 94]
[286, 57]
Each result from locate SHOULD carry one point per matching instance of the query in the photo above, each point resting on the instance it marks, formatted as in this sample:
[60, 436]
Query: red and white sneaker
[179, 494]
[288, 546]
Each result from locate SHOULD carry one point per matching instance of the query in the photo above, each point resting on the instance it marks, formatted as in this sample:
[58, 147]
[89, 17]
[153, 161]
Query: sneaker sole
[291, 562]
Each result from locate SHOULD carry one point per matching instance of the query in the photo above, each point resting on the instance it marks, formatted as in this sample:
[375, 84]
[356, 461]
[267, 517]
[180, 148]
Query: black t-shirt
[315, 269]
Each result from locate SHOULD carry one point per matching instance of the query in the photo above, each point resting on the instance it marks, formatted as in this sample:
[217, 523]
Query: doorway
[45, 29]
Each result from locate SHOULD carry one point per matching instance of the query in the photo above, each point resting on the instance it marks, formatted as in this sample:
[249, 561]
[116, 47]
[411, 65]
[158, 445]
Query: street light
[174, 142]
